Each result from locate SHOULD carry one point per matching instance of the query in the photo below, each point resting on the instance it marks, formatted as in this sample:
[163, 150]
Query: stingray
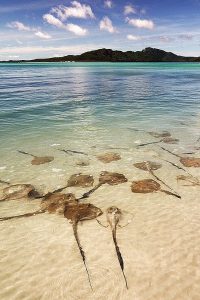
[186, 161]
[192, 180]
[108, 157]
[18, 191]
[82, 163]
[110, 178]
[146, 186]
[151, 167]
[163, 134]
[153, 133]
[38, 160]
[114, 216]
[78, 180]
[70, 152]
[166, 140]
[51, 203]
[76, 213]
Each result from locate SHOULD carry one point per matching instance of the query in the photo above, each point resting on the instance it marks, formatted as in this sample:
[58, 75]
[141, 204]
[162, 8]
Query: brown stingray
[51, 203]
[163, 134]
[166, 140]
[145, 165]
[151, 167]
[55, 202]
[114, 215]
[186, 161]
[77, 180]
[108, 157]
[110, 178]
[192, 180]
[82, 163]
[76, 212]
[38, 160]
[149, 186]
[18, 191]
[80, 180]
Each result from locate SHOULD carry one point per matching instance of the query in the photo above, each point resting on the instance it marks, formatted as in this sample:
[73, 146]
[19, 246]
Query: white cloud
[129, 9]
[42, 35]
[53, 21]
[19, 26]
[141, 23]
[77, 30]
[133, 37]
[76, 10]
[108, 3]
[106, 24]
[47, 50]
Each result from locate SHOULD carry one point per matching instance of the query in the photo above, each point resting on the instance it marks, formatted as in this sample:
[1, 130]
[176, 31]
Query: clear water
[93, 107]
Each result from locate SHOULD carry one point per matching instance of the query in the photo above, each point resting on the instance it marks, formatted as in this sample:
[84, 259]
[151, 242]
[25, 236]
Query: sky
[47, 28]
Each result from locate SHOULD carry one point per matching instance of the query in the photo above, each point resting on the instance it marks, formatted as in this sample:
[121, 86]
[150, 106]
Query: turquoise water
[80, 105]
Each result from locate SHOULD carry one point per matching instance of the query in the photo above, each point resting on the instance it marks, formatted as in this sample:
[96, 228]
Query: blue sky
[32, 29]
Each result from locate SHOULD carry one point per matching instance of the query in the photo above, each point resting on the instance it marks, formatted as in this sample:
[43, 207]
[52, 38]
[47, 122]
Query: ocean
[96, 108]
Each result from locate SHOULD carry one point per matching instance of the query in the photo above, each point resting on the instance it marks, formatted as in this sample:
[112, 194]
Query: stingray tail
[151, 143]
[81, 252]
[87, 194]
[171, 194]
[22, 216]
[4, 182]
[26, 153]
[119, 256]
[170, 152]
[60, 189]
[157, 178]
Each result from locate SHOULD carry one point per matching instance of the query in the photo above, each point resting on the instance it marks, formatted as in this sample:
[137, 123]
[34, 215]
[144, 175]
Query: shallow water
[92, 108]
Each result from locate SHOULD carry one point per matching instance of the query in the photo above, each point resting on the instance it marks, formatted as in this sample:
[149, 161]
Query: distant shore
[109, 55]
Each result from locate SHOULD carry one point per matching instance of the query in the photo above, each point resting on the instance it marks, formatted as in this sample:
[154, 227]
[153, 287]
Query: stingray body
[77, 180]
[70, 152]
[38, 160]
[55, 202]
[146, 186]
[111, 178]
[151, 167]
[186, 161]
[19, 191]
[108, 157]
[75, 213]
[113, 215]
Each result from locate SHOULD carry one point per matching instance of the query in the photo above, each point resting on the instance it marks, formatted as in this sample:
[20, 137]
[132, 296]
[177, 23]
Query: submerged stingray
[149, 186]
[166, 140]
[114, 215]
[78, 180]
[76, 212]
[51, 203]
[110, 178]
[18, 191]
[38, 160]
[163, 134]
[146, 165]
[186, 161]
[192, 180]
[108, 157]
[151, 167]
[55, 202]
[70, 152]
